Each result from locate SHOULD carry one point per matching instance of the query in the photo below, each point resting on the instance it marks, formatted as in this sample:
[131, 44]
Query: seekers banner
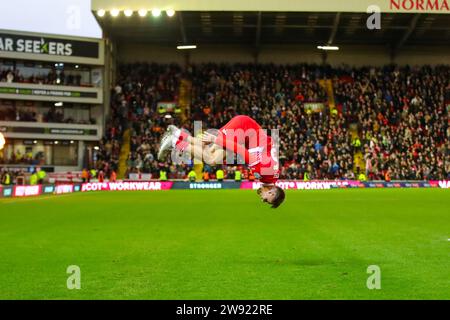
[48, 46]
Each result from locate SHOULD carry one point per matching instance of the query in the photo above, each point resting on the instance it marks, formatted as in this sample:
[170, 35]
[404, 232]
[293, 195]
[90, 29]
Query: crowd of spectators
[134, 105]
[274, 95]
[51, 114]
[107, 156]
[10, 176]
[24, 158]
[403, 119]
[49, 77]
[400, 113]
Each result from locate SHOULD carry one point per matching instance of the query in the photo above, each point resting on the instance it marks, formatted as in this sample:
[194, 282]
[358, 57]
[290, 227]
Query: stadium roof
[264, 28]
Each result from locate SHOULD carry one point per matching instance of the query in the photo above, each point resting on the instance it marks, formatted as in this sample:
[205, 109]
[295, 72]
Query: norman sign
[419, 5]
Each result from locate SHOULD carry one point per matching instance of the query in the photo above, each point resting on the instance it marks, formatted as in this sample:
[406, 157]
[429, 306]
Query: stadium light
[328, 47]
[187, 47]
[156, 12]
[58, 104]
[97, 148]
[142, 12]
[114, 12]
[170, 12]
[128, 13]
[101, 13]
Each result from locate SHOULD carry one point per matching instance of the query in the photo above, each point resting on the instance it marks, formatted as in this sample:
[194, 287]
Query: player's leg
[241, 122]
[199, 153]
[166, 144]
[241, 135]
[243, 130]
[174, 138]
[240, 127]
[187, 147]
[208, 154]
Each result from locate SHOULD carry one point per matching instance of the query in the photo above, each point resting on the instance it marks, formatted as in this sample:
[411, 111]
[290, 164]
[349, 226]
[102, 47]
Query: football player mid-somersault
[241, 135]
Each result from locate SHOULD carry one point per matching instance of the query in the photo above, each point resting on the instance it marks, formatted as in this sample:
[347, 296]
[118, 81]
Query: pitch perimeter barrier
[47, 189]
[206, 185]
[331, 184]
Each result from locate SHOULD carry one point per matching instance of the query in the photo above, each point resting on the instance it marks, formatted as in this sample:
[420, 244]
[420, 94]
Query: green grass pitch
[208, 244]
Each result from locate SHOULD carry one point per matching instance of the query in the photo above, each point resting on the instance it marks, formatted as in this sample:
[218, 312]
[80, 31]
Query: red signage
[27, 191]
[420, 5]
[126, 186]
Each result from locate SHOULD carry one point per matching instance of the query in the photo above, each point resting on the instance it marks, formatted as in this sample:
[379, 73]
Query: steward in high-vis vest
[93, 173]
[219, 175]
[237, 176]
[41, 176]
[362, 177]
[306, 176]
[192, 176]
[7, 179]
[162, 175]
[34, 179]
[356, 143]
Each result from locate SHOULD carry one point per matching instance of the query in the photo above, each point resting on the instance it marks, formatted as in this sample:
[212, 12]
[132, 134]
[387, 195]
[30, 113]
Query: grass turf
[207, 244]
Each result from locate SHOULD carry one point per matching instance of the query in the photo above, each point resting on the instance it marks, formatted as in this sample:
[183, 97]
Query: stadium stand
[388, 122]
